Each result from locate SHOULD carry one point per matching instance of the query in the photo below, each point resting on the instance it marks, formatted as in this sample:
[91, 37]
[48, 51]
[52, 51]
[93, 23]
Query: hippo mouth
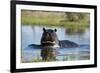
[49, 42]
[54, 45]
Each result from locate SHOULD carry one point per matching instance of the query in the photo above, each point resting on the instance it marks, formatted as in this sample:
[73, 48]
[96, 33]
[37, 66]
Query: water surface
[32, 35]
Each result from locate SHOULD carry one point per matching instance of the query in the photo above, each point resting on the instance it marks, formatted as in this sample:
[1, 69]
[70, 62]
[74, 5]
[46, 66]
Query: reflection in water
[32, 35]
[77, 31]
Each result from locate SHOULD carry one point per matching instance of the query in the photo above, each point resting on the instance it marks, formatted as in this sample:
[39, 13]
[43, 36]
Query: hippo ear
[55, 30]
[44, 29]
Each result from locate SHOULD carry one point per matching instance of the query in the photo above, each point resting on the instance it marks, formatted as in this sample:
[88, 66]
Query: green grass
[51, 22]
[53, 19]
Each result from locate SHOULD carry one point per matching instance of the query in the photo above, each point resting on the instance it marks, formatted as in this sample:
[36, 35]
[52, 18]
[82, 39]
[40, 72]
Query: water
[32, 35]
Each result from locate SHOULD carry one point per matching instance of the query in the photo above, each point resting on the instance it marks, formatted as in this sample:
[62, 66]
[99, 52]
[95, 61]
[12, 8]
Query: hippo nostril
[47, 36]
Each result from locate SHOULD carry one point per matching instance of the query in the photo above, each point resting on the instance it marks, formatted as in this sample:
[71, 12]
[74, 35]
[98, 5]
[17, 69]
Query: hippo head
[49, 37]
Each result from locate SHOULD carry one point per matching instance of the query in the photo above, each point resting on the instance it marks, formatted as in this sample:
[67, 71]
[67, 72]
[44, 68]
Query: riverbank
[60, 19]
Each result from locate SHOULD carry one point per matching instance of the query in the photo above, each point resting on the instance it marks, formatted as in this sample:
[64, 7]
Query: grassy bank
[60, 19]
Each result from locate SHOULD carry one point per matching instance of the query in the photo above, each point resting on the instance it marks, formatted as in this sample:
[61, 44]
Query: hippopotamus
[49, 37]
[50, 43]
